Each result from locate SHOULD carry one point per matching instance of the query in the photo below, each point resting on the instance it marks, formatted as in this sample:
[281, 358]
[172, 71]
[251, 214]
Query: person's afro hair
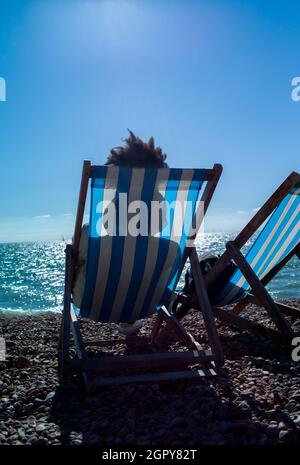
[137, 153]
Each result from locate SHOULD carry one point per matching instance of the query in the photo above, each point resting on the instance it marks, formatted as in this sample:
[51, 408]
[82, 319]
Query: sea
[32, 274]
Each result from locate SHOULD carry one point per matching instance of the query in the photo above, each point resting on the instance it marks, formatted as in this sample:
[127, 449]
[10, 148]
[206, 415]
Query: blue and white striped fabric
[280, 235]
[128, 277]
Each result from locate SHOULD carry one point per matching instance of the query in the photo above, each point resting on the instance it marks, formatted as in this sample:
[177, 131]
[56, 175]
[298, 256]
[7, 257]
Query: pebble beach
[254, 400]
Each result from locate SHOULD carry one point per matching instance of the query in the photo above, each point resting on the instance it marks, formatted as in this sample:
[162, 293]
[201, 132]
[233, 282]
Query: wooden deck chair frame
[258, 295]
[195, 355]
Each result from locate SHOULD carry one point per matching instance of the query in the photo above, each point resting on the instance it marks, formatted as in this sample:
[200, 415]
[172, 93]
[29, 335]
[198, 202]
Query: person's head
[137, 153]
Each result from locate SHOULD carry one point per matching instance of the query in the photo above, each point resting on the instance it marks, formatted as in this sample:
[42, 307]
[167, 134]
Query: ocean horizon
[32, 274]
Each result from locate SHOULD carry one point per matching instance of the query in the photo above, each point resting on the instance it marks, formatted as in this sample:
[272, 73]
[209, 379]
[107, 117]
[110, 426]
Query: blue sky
[210, 80]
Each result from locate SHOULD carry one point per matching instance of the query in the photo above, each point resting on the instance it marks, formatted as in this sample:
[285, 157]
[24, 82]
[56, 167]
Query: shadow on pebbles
[254, 400]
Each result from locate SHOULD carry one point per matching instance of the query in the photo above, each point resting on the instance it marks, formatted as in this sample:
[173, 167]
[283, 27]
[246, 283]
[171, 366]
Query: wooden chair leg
[64, 336]
[261, 293]
[240, 306]
[244, 324]
[60, 341]
[80, 349]
[204, 303]
[156, 328]
[288, 310]
[179, 330]
[63, 345]
[228, 317]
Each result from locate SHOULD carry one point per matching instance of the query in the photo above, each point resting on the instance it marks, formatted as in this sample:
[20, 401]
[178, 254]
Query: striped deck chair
[134, 275]
[276, 243]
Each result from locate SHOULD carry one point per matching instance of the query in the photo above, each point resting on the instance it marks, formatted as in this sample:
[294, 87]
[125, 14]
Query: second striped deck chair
[132, 274]
[276, 244]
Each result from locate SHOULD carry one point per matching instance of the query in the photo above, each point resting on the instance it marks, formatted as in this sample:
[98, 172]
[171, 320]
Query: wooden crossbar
[115, 342]
[161, 378]
[144, 361]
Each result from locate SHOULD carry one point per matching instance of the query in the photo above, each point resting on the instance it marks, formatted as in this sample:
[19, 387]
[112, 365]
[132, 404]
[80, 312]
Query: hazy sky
[210, 80]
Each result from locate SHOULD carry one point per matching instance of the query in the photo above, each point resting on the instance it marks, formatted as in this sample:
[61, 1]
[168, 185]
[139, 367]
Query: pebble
[40, 427]
[281, 425]
[272, 430]
[50, 396]
[283, 434]
[31, 420]
[296, 396]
